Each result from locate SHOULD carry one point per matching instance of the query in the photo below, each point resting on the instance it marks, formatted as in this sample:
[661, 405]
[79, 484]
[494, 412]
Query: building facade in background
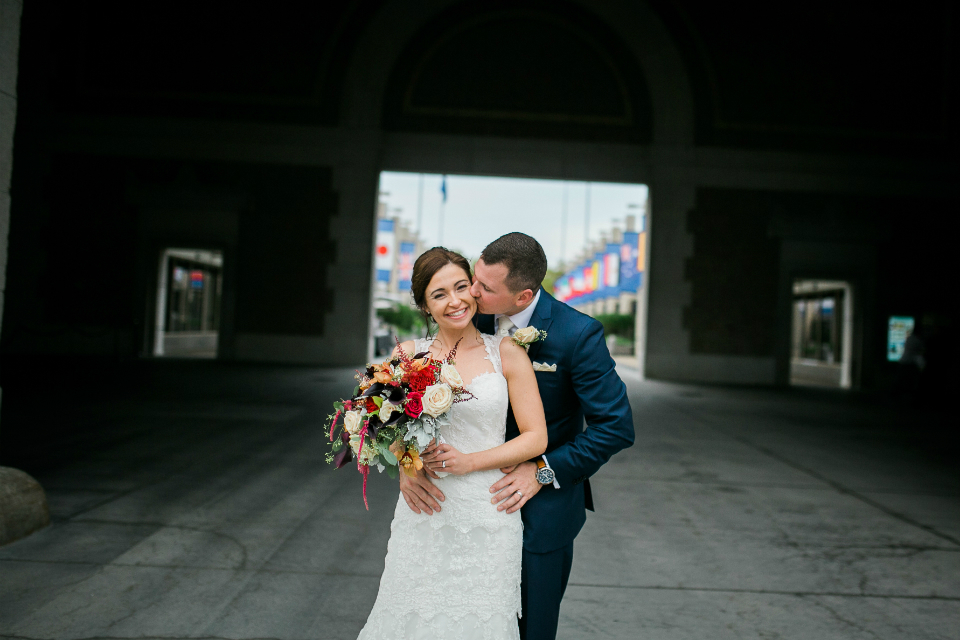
[609, 273]
[767, 162]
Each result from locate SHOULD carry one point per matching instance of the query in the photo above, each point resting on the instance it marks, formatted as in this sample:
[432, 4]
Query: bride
[456, 574]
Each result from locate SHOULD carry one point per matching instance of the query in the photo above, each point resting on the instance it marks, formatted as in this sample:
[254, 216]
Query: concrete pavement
[193, 502]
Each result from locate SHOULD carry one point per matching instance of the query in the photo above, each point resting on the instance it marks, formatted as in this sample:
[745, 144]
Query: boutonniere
[527, 336]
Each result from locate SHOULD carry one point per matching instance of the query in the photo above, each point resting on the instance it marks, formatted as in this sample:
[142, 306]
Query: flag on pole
[405, 274]
[443, 188]
[611, 266]
[385, 241]
[629, 254]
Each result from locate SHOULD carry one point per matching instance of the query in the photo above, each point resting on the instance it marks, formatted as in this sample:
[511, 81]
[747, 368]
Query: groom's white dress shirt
[521, 320]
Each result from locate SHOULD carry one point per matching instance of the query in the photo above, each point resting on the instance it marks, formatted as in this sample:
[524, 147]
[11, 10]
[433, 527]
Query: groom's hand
[421, 494]
[514, 489]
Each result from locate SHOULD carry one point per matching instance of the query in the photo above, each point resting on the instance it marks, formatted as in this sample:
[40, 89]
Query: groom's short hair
[523, 257]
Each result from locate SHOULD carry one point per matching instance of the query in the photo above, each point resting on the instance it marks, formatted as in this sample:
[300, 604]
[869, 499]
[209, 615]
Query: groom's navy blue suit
[584, 386]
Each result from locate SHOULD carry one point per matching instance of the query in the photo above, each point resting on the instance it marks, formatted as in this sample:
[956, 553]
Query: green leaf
[378, 401]
[356, 391]
[392, 472]
[388, 458]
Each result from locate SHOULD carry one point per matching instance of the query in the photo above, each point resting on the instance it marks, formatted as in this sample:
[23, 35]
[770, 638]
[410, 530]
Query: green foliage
[402, 317]
[616, 324]
[551, 278]
[388, 457]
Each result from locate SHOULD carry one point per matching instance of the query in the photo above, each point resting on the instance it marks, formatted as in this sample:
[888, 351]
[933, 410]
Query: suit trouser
[542, 583]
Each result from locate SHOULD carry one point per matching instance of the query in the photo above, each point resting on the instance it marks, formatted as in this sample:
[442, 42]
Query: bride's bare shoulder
[409, 347]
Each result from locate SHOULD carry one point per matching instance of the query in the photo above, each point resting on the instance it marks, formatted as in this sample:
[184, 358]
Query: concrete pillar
[9, 48]
[23, 504]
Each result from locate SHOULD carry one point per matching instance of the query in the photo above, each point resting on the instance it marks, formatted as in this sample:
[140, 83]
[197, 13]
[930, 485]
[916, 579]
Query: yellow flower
[409, 460]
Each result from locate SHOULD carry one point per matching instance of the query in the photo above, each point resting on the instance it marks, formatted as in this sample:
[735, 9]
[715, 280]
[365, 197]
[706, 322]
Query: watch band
[541, 463]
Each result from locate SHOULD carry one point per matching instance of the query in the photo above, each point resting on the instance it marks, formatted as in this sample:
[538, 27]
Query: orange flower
[409, 460]
[382, 375]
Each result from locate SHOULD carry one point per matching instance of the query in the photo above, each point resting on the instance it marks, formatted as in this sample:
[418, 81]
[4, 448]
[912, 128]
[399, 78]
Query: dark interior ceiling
[820, 75]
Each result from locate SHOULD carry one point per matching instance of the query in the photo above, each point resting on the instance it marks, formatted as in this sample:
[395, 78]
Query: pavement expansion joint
[775, 592]
[819, 476]
[850, 492]
[179, 637]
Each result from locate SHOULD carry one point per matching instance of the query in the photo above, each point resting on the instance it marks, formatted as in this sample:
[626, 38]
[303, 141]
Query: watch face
[545, 476]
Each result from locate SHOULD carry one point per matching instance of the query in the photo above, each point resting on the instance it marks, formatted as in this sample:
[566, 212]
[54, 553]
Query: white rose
[385, 410]
[450, 375]
[352, 422]
[437, 399]
[526, 335]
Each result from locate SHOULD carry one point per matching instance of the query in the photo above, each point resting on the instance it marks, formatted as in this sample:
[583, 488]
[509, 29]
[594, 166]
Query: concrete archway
[647, 41]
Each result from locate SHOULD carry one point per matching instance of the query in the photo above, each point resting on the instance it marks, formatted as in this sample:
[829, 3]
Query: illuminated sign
[898, 328]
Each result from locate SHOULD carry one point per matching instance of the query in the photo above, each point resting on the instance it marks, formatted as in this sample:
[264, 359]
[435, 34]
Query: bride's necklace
[438, 342]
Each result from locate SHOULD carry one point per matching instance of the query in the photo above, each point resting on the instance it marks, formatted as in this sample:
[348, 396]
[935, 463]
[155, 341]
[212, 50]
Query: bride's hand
[425, 454]
[445, 458]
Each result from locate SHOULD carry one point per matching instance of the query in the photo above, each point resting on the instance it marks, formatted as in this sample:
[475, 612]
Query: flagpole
[420, 208]
[563, 226]
[443, 204]
[586, 221]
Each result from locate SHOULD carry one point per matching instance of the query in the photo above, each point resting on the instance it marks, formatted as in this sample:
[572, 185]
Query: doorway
[821, 334]
[189, 295]
[593, 233]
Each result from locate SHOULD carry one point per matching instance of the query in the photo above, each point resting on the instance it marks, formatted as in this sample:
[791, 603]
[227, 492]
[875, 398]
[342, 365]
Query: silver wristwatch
[545, 474]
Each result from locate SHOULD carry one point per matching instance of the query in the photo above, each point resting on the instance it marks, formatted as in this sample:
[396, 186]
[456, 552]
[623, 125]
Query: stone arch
[641, 38]
[533, 70]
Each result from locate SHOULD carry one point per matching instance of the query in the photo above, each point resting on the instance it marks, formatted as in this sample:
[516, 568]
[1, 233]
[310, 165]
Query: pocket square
[543, 366]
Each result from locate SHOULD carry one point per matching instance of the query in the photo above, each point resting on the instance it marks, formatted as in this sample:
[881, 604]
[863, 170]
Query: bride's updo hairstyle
[426, 267]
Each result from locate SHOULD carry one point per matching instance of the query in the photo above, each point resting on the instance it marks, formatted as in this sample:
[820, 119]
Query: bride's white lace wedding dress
[455, 575]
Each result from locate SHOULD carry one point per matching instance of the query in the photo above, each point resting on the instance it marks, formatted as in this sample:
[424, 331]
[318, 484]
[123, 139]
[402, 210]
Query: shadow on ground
[191, 499]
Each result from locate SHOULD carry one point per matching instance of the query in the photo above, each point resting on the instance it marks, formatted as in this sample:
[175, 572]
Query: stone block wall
[733, 275]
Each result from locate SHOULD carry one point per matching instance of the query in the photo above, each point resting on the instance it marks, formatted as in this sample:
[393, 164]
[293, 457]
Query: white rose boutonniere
[527, 336]
[437, 399]
[449, 375]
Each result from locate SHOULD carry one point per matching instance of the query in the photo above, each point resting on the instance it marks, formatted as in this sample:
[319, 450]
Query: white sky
[481, 209]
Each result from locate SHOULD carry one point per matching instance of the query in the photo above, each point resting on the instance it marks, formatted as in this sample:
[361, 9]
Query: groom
[577, 381]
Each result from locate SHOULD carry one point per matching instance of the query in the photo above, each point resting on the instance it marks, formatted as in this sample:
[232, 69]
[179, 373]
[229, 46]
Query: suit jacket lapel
[541, 319]
[484, 322]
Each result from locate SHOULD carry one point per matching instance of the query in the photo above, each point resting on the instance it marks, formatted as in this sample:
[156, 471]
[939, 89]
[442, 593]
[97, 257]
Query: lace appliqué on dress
[456, 574]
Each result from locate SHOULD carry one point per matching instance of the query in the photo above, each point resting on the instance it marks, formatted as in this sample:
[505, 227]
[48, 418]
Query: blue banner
[629, 254]
[405, 274]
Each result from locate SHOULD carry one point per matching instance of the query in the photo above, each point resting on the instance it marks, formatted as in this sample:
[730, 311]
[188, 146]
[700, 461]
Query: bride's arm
[527, 409]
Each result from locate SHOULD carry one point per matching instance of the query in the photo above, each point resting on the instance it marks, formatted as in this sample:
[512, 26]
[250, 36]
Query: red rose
[414, 406]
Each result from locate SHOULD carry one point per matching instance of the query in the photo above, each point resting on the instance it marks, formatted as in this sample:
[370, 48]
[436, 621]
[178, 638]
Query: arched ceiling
[533, 69]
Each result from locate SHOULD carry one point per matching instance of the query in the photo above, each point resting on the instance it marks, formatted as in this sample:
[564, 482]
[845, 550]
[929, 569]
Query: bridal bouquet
[396, 410]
